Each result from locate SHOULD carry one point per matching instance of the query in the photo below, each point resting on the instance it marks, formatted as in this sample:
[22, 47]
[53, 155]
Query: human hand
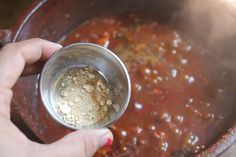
[14, 58]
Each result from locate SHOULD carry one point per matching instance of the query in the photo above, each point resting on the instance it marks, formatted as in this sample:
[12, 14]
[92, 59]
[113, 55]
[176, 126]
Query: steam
[213, 23]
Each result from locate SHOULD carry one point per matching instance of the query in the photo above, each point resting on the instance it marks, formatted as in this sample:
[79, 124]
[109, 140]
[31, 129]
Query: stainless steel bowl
[101, 59]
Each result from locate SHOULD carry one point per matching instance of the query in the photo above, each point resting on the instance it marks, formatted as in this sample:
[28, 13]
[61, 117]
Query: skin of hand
[14, 59]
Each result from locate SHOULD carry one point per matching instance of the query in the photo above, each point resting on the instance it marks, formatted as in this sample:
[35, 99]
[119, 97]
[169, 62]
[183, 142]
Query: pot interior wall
[57, 18]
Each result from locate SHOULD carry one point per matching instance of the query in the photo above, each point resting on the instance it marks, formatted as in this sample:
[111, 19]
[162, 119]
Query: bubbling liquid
[180, 98]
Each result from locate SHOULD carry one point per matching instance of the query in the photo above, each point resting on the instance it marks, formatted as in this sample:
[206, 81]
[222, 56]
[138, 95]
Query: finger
[13, 58]
[82, 143]
[37, 67]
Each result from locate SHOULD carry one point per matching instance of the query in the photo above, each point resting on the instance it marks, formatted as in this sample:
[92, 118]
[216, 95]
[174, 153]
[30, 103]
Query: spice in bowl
[84, 96]
[84, 85]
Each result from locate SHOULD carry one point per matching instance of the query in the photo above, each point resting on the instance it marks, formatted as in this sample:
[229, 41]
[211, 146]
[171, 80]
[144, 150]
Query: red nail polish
[108, 142]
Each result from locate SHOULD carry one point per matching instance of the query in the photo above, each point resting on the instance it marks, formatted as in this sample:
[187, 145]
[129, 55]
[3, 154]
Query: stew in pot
[180, 98]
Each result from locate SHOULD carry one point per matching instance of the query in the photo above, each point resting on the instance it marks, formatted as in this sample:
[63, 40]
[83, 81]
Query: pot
[212, 23]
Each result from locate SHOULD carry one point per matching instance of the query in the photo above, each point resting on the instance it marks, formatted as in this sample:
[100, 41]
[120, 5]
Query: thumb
[82, 143]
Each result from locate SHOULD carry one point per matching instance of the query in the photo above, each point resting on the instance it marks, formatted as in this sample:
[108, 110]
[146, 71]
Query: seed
[105, 108]
[99, 89]
[107, 91]
[102, 103]
[91, 76]
[64, 94]
[103, 86]
[116, 107]
[99, 83]
[88, 87]
[109, 102]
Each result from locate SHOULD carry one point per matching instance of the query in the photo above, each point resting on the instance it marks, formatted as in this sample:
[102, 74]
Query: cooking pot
[211, 23]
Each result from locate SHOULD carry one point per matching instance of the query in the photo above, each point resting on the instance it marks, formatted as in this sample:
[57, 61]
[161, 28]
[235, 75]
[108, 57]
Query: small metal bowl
[97, 57]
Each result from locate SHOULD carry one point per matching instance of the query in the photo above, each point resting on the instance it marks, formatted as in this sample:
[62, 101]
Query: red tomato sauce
[180, 99]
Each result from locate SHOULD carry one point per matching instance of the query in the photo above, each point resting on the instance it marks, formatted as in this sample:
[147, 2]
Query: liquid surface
[178, 104]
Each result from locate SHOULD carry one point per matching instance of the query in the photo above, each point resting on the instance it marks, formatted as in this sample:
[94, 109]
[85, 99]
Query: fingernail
[107, 139]
[108, 142]
[59, 45]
